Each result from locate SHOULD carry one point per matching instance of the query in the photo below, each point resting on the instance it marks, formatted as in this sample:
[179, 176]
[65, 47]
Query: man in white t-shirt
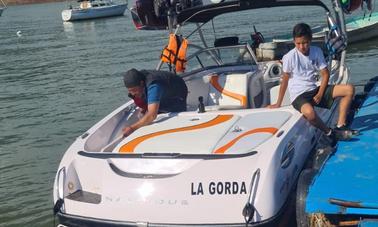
[301, 66]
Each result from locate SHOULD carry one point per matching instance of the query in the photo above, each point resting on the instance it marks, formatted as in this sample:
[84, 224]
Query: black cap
[133, 77]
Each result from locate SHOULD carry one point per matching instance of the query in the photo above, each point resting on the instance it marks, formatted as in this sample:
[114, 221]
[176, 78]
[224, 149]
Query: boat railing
[3, 5]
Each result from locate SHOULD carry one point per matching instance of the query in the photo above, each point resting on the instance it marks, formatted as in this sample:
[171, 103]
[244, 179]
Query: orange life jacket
[175, 52]
[170, 51]
[181, 56]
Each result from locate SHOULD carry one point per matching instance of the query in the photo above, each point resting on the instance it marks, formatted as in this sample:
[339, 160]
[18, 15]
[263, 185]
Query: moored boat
[362, 27]
[359, 28]
[226, 161]
[94, 9]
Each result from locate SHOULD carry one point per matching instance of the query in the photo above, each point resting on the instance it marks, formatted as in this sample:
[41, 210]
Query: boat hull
[94, 12]
[199, 186]
[358, 29]
[79, 221]
[188, 168]
[363, 34]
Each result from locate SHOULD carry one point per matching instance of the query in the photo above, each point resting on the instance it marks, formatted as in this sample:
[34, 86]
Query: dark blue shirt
[154, 93]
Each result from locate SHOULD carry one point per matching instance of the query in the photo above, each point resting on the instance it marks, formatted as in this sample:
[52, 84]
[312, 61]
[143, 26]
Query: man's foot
[342, 135]
[353, 132]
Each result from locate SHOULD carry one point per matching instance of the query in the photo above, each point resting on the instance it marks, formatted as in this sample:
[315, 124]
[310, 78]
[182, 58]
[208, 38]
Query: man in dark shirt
[154, 92]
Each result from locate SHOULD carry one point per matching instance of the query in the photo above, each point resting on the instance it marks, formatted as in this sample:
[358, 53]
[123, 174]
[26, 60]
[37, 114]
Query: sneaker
[342, 135]
[354, 132]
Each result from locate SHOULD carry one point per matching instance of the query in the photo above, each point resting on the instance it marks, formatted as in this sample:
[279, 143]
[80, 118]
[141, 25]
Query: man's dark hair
[301, 30]
[133, 77]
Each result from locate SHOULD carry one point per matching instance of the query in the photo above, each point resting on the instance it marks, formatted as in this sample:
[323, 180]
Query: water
[58, 79]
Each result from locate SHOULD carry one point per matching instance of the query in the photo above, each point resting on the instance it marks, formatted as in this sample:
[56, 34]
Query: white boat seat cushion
[257, 92]
[228, 91]
[196, 87]
[274, 92]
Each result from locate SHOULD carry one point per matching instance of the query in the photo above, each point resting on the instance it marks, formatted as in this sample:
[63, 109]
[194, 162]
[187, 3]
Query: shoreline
[27, 2]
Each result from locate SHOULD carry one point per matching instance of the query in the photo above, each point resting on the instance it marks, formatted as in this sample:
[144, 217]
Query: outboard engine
[153, 14]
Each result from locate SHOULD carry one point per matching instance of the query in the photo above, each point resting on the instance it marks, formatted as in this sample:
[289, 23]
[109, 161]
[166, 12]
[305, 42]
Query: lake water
[58, 79]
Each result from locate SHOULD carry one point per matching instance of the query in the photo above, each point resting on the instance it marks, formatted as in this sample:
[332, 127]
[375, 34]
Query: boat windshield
[221, 56]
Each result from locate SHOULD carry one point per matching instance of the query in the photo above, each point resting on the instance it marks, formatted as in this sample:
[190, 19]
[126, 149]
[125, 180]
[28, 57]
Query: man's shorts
[307, 97]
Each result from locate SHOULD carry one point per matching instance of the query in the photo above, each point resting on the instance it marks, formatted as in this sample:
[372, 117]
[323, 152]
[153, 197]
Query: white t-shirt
[302, 70]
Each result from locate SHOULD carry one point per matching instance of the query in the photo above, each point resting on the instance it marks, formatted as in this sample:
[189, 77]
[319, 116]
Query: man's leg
[309, 113]
[346, 92]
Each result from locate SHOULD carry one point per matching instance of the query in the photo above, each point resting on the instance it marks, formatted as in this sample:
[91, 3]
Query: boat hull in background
[94, 12]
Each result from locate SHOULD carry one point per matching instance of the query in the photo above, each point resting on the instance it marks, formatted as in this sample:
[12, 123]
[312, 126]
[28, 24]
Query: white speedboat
[235, 163]
[94, 9]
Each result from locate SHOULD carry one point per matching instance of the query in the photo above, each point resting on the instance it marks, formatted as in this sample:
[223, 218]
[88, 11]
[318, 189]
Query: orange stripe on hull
[130, 146]
[225, 147]
[242, 99]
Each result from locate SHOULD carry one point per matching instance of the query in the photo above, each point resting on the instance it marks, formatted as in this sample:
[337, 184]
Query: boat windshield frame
[243, 55]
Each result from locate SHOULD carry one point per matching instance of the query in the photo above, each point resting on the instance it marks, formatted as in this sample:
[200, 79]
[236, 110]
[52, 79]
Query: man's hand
[317, 98]
[147, 119]
[284, 81]
[273, 106]
[127, 131]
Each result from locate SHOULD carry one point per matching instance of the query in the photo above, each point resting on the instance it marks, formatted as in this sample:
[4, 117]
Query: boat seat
[197, 87]
[228, 91]
[274, 92]
[223, 91]
[257, 91]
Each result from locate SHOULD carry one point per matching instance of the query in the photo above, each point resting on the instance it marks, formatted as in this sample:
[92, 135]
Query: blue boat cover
[351, 173]
[368, 223]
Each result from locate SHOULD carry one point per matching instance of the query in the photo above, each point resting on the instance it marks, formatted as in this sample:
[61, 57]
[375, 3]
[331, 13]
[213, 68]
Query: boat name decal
[219, 188]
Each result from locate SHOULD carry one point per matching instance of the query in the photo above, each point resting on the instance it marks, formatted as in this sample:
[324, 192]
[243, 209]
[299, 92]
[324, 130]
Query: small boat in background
[94, 9]
[362, 27]
[358, 28]
[2, 7]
